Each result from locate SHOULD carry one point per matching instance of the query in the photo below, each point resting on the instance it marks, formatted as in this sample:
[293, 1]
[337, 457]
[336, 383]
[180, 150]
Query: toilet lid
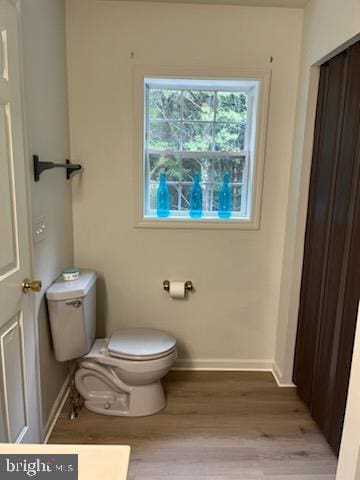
[140, 343]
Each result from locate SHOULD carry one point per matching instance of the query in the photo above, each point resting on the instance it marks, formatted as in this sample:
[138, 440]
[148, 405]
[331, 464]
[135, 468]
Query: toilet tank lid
[66, 290]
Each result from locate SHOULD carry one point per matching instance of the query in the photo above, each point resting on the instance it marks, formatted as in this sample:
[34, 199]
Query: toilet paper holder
[188, 285]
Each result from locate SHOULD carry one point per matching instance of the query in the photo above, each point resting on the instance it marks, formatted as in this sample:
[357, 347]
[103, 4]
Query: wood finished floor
[217, 426]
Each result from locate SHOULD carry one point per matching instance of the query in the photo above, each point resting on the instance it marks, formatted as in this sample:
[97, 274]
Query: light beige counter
[94, 461]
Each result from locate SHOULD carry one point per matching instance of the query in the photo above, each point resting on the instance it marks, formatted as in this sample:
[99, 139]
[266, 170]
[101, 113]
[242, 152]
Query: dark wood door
[331, 270]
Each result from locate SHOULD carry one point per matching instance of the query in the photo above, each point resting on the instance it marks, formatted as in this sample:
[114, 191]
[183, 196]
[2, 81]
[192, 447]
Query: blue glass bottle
[225, 198]
[163, 198]
[196, 198]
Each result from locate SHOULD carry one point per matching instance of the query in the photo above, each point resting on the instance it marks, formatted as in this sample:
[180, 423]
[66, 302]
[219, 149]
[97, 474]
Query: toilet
[120, 375]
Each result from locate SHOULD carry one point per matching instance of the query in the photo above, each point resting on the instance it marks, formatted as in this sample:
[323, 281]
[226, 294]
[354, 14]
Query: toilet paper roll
[177, 289]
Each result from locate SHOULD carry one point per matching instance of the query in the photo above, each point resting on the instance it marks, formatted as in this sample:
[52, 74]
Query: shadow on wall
[49, 390]
[183, 352]
[45, 314]
[101, 307]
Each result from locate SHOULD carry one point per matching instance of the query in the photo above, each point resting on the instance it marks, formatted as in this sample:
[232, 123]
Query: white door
[19, 413]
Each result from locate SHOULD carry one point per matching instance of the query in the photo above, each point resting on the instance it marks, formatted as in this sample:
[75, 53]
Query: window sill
[204, 223]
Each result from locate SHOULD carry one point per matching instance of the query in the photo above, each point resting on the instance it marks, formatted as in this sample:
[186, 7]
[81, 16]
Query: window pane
[165, 104]
[174, 196]
[164, 135]
[198, 105]
[190, 166]
[185, 197]
[210, 197]
[229, 137]
[231, 107]
[197, 137]
[170, 165]
[197, 117]
[217, 187]
[202, 166]
[236, 198]
[234, 166]
[152, 195]
[207, 197]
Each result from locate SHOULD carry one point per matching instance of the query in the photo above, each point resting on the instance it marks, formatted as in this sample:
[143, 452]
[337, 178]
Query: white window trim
[141, 72]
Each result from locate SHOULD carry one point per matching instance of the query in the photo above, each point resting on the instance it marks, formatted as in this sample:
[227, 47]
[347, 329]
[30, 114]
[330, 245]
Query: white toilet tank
[72, 311]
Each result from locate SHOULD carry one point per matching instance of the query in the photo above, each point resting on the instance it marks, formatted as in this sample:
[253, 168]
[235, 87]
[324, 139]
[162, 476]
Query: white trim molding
[223, 364]
[278, 375]
[234, 365]
[263, 76]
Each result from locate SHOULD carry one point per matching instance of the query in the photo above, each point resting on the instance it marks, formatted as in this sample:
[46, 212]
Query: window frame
[256, 145]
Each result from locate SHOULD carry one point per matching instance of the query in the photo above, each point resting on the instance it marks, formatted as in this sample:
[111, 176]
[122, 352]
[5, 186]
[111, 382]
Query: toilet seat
[140, 344]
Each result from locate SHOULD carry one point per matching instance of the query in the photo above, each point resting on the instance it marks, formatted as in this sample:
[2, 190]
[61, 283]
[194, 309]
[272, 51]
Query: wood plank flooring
[217, 426]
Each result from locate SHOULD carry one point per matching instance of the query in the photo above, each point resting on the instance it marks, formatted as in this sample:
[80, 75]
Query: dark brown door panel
[331, 269]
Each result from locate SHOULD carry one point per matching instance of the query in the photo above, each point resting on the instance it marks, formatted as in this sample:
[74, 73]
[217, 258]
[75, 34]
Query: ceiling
[252, 3]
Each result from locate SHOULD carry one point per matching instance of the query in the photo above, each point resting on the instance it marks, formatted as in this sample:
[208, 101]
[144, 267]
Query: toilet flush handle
[74, 303]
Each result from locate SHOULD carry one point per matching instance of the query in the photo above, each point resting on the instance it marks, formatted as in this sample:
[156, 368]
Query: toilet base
[139, 402]
[114, 386]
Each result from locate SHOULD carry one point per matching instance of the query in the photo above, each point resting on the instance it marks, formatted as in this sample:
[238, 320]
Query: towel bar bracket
[40, 167]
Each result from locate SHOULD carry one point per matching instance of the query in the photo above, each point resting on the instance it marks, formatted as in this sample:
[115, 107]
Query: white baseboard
[56, 410]
[224, 364]
[277, 373]
[234, 365]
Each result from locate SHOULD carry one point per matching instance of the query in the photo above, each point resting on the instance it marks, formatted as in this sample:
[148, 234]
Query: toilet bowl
[130, 386]
[116, 376]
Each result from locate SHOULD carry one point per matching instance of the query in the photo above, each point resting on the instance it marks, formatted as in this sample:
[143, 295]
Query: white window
[206, 127]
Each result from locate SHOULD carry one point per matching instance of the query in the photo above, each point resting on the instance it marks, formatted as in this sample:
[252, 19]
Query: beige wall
[230, 321]
[328, 25]
[43, 31]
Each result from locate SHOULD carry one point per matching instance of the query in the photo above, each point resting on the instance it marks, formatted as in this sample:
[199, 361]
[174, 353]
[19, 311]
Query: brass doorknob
[34, 285]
